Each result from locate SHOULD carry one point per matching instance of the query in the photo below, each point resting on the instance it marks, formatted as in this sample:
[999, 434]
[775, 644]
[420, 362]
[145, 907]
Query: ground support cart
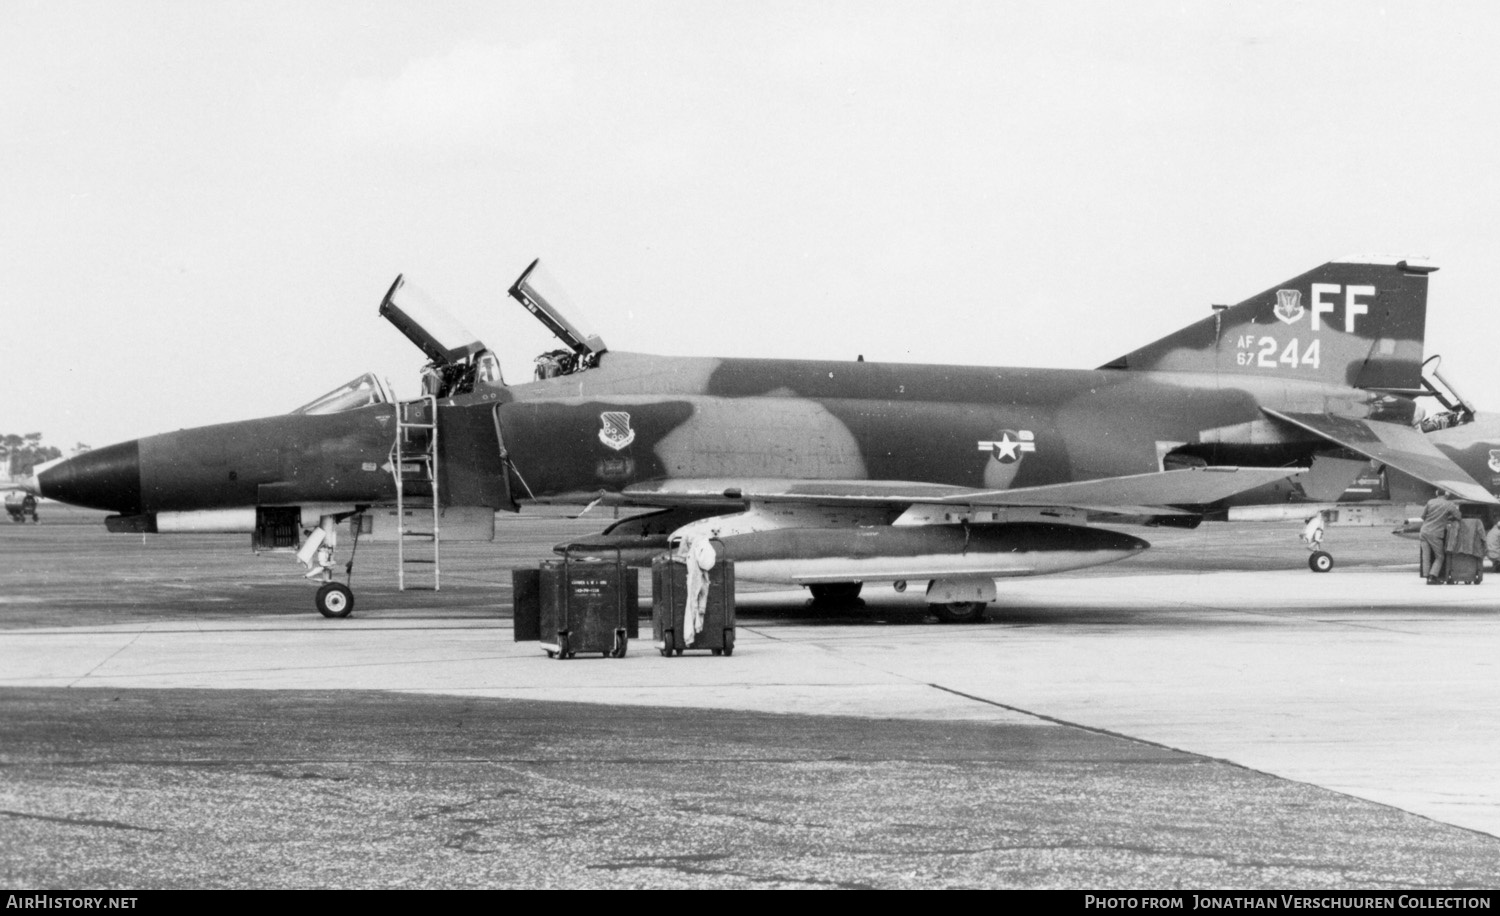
[1462, 569]
[577, 605]
[669, 607]
[19, 505]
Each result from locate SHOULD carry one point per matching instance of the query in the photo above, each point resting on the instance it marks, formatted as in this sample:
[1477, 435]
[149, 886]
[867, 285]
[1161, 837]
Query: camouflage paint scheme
[269, 461]
[1197, 396]
[806, 421]
[1327, 363]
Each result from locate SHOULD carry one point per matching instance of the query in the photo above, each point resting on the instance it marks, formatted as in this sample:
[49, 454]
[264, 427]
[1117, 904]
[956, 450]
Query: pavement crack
[1070, 724]
[80, 821]
[299, 775]
[467, 842]
[580, 788]
[689, 865]
[445, 810]
[753, 818]
[106, 660]
[1133, 739]
[757, 631]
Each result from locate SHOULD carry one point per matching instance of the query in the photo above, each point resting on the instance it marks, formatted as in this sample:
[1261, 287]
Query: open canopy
[544, 298]
[428, 325]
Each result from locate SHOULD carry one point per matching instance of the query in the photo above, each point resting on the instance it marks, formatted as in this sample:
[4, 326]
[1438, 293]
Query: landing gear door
[426, 324]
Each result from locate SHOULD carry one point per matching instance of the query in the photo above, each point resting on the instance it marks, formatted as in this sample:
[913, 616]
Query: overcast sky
[203, 203]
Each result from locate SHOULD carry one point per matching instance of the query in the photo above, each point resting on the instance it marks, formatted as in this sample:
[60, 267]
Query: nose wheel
[1320, 560]
[334, 600]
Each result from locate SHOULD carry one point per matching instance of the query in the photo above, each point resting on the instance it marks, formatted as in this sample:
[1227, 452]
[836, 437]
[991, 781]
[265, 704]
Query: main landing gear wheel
[959, 611]
[334, 600]
[836, 594]
[1320, 561]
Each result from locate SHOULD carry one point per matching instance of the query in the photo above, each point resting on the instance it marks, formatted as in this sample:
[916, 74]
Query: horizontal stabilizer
[1402, 447]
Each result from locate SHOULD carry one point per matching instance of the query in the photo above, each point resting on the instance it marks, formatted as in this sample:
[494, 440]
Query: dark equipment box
[577, 605]
[1462, 569]
[669, 607]
[1463, 562]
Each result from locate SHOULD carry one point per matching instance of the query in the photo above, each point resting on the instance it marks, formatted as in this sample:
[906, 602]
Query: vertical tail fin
[1356, 322]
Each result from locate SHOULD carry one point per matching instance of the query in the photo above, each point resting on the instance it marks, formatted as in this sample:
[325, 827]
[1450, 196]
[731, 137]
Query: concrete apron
[1366, 682]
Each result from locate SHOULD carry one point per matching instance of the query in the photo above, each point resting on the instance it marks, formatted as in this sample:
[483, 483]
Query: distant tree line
[19, 454]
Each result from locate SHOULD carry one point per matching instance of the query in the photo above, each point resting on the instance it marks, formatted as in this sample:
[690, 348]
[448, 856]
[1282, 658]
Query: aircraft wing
[1402, 447]
[1136, 494]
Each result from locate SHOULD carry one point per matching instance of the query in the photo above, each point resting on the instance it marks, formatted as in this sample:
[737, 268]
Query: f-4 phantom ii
[826, 474]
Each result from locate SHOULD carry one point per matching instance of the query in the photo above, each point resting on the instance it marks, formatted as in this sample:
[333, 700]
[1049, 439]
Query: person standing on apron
[1439, 511]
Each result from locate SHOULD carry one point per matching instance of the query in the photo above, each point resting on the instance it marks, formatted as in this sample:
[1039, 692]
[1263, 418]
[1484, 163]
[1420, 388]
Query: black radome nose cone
[106, 478]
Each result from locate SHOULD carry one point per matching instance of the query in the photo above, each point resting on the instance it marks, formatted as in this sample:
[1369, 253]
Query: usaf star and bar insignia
[1010, 446]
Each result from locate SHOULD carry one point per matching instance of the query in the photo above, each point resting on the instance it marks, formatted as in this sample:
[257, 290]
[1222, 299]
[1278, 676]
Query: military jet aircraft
[826, 474]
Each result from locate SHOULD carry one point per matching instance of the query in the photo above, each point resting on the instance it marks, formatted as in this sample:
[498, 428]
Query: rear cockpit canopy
[362, 392]
[544, 298]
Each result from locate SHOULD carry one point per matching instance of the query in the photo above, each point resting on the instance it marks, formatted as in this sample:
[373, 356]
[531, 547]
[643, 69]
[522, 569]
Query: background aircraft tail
[1355, 321]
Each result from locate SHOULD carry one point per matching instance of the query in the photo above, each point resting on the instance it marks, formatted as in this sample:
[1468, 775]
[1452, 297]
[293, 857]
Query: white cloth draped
[700, 557]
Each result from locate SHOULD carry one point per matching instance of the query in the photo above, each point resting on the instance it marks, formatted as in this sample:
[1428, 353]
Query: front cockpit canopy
[457, 360]
[427, 324]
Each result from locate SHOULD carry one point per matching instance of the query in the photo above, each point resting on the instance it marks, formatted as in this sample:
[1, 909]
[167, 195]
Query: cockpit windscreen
[362, 392]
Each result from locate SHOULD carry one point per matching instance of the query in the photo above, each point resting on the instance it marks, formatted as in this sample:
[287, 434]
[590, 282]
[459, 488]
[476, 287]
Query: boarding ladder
[415, 459]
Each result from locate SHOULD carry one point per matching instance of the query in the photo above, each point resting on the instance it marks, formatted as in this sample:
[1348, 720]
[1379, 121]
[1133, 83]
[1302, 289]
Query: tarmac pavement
[174, 714]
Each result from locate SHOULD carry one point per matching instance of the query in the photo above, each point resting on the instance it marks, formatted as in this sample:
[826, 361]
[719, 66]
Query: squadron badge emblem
[1289, 305]
[1010, 446]
[1495, 460]
[616, 432]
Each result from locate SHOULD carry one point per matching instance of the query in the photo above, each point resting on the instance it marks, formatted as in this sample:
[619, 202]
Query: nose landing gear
[333, 599]
[1320, 561]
